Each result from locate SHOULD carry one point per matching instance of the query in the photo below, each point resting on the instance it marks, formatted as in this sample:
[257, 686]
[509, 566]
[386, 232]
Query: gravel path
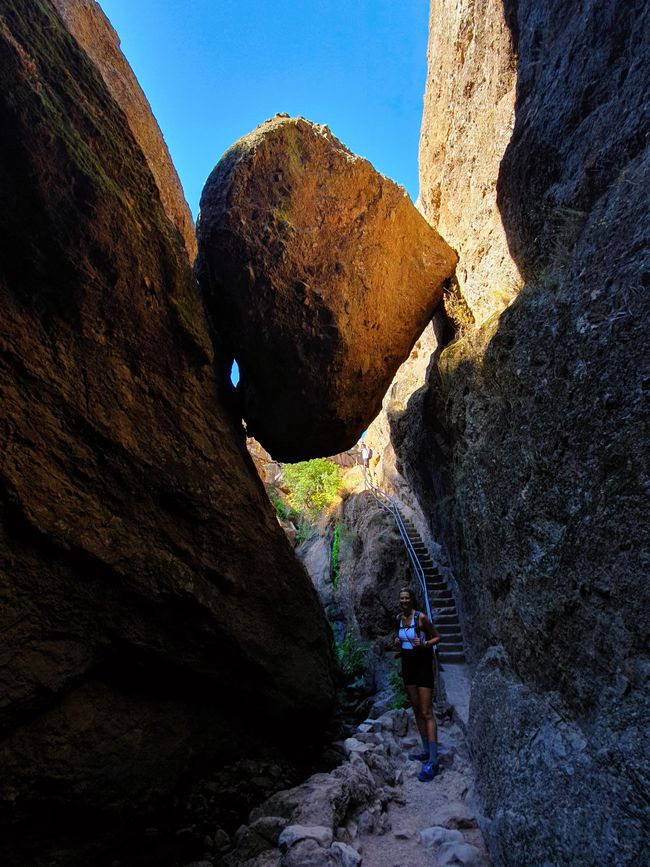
[442, 804]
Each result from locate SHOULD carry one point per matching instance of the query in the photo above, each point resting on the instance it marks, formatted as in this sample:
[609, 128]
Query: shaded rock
[308, 853]
[324, 799]
[531, 462]
[436, 836]
[344, 855]
[460, 853]
[374, 565]
[94, 33]
[136, 541]
[320, 275]
[269, 827]
[293, 834]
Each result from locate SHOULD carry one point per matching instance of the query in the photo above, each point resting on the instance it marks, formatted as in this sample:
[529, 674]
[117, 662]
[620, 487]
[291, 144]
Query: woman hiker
[416, 636]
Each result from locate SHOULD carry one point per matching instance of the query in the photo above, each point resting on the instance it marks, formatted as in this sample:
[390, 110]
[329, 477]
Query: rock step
[433, 584]
[441, 596]
[450, 640]
[451, 658]
[439, 593]
[442, 602]
[448, 629]
[446, 619]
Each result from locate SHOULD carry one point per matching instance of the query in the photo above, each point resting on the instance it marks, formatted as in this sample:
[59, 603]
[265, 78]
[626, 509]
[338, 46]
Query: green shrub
[336, 556]
[313, 485]
[303, 531]
[352, 656]
[396, 682]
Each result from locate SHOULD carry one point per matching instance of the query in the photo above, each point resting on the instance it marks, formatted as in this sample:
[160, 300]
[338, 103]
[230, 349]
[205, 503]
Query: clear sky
[215, 69]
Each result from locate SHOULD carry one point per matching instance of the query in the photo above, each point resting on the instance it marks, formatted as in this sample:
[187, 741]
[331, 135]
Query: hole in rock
[234, 373]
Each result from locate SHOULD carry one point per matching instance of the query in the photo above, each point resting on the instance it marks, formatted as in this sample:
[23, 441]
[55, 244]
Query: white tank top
[408, 634]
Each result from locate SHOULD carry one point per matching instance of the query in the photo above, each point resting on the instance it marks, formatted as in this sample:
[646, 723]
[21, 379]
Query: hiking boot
[428, 772]
[419, 757]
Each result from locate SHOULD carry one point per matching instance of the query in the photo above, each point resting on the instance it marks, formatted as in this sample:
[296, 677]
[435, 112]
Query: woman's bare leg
[425, 700]
[413, 693]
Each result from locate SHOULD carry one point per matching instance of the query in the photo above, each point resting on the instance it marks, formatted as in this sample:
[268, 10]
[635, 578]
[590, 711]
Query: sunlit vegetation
[313, 485]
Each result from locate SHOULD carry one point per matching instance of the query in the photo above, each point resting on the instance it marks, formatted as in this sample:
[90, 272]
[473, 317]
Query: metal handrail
[388, 503]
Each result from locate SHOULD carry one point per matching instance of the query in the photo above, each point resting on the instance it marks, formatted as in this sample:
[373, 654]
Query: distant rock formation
[94, 33]
[320, 275]
[146, 588]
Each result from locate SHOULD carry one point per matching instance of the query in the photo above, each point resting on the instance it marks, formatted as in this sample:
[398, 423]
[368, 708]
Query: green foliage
[282, 509]
[396, 682]
[336, 556]
[303, 531]
[313, 484]
[352, 656]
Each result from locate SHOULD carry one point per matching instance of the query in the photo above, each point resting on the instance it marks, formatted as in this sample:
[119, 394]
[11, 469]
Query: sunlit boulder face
[320, 275]
[94, 33]
[148, 597]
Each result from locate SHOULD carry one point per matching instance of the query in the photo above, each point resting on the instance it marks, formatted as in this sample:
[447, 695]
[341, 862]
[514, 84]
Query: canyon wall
[93, 31]
[527, 446]
[145, 585]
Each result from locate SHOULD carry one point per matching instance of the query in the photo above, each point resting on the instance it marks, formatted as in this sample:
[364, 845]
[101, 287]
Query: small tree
[313, 485]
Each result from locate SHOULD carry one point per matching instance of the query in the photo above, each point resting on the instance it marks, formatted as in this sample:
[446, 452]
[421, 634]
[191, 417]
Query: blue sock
[425, 744]
[433, 752]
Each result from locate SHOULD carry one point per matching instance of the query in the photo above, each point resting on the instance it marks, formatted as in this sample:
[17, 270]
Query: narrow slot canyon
[229, 448]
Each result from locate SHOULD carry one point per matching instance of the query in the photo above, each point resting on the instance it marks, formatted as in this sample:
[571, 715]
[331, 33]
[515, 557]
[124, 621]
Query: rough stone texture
[373, 566]
[532, 461]
[467, 123]
[374, 808]
[92, 30]
[320, 274]
[139, 556]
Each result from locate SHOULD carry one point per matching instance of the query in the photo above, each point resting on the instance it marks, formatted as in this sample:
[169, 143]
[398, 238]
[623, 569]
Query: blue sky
[214, 69]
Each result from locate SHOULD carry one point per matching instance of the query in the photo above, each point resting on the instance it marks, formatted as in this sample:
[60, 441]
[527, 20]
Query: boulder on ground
[320, 274]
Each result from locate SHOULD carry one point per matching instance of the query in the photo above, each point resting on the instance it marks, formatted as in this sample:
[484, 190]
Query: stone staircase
[443, 607]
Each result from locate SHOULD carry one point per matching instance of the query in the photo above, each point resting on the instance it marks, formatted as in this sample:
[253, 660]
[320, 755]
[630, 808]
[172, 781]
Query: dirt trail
[431, 823]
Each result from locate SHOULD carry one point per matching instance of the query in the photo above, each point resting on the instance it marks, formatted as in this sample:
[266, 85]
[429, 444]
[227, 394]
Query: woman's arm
[432, 634]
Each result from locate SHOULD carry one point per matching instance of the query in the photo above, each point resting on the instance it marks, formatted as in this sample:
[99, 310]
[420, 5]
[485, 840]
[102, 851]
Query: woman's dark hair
[410, 593]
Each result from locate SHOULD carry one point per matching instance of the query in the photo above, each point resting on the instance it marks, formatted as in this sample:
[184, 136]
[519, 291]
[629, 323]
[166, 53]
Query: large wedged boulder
[320, 275]
[147, 593]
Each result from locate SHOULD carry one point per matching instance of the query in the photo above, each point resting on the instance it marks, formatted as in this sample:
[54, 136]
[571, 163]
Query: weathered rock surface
[145, 585]
[532, 462]
[94, 33]
[370, 810]
[320, 274]
[467, 123]
[374, 565]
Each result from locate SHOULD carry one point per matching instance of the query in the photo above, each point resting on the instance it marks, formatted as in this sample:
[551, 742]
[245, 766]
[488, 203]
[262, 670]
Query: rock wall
[467, 123]
[145, 585]
[527, 446]
[94, 33]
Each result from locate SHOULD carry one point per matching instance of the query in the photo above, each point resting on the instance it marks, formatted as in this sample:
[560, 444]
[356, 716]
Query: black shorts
[417, 667]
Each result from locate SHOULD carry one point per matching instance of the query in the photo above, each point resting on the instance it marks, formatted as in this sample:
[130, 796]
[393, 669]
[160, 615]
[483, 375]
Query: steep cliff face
[320, 274]
[92, 30]
[531, 460]
[145, 584]
[467, 123]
